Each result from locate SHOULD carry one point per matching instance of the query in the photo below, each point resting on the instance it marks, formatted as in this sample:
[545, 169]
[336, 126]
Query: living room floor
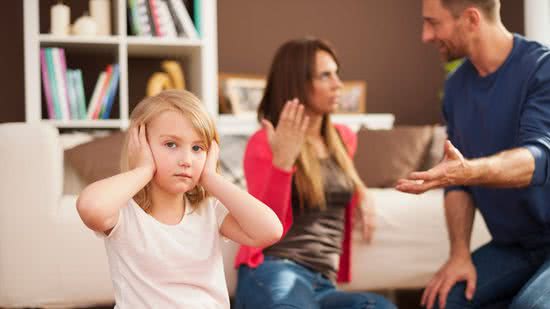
[405, 299]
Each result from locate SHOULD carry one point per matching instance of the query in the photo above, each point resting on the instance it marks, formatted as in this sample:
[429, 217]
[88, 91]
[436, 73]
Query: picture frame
[354, 97]
[240, 94]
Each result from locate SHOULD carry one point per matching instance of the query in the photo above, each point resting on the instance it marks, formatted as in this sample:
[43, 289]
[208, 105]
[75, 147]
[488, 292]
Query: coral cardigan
[273, 186]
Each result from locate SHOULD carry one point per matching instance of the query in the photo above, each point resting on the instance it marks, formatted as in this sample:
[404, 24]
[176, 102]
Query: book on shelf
[185, 19]
[197, 15]
[81, 96]
[111, 93]
[177, 23]
[61, 86]
[140, 18]
[76, 94]
[162, 18]
[46, 85]
[53, 83]
[104, 88]
[94, 100]
[166, 22]
[72, 96]
[71, 101]
[153, 15]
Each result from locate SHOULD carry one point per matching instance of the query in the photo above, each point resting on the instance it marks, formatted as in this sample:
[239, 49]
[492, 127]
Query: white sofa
[48, 258]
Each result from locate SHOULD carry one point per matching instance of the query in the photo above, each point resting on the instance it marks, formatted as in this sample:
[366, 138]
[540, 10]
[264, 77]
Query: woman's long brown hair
[291, 76]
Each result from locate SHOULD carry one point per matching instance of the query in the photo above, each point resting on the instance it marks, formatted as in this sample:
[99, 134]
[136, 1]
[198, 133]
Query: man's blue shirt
[507, 109]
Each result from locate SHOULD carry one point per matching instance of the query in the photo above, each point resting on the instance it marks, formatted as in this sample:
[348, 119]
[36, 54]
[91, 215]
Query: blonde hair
[309, 181]
[189, 106]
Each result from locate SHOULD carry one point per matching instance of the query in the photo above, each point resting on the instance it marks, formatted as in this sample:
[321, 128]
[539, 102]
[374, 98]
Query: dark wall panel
[377, 41]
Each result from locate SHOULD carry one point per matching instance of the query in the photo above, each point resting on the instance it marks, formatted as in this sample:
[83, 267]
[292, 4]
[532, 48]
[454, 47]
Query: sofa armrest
[31, 165]
[409, 244]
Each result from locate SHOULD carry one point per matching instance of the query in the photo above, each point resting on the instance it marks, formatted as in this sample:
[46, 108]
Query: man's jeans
[507, 277]
[281, 283]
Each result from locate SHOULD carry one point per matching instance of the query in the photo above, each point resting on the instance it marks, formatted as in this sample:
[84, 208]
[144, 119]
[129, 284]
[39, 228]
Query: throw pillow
[435, 151]
[98, 158]
[231, 158]
[384, 156]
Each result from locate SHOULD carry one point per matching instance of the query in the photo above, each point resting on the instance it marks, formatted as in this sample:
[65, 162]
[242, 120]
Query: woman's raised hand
[139, 151]
[287, 139]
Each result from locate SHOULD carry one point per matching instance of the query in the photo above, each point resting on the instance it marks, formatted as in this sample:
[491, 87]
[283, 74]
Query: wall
[377, 41]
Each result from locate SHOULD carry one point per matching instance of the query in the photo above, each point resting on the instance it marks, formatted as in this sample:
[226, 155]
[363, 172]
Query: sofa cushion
[384, 156]
[435, 150]
[97, 159]
[232, 149]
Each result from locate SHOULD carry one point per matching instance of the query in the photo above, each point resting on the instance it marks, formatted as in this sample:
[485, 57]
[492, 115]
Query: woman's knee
[272, 287]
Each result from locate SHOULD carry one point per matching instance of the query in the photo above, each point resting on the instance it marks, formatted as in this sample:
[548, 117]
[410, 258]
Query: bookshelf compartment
[140, 70]
[90, 66]
[77, 9]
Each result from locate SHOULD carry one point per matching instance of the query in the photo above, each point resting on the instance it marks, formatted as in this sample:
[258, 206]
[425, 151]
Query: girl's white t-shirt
[155, 265]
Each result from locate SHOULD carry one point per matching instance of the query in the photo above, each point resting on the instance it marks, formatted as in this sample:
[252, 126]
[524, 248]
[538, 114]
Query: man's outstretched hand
[451, 171]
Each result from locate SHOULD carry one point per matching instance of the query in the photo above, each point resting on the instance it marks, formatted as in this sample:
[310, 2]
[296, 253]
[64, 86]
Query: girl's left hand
[211, 160]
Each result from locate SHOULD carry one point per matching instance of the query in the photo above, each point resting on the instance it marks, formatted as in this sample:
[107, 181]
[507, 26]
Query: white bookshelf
[198, 56]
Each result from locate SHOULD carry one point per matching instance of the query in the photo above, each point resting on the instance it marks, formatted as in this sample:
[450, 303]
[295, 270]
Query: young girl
[162, 217]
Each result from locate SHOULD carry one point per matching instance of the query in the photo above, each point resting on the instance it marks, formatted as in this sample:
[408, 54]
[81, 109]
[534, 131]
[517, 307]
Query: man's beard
[451, 53]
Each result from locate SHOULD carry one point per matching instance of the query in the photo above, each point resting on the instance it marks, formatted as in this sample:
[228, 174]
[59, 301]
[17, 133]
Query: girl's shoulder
[212, 207]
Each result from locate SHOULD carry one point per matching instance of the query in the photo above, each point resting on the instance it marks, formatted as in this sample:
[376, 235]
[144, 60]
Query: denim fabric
[507, 277]
[281, 283]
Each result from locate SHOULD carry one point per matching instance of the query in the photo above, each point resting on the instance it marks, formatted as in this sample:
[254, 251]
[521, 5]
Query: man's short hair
[489, 8]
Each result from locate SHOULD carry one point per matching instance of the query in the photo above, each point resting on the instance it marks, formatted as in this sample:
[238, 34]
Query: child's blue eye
[170, 144]
[197, 148]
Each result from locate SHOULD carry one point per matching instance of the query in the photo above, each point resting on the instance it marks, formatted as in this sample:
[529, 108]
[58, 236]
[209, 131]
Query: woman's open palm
[287, 138]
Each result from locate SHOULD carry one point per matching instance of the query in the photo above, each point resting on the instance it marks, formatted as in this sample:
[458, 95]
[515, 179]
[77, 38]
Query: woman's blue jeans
[507, 277]
[281, 283]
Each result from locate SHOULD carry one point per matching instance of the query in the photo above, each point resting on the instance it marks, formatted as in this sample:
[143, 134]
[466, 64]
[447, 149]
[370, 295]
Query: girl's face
[178, 150]
[326, 86]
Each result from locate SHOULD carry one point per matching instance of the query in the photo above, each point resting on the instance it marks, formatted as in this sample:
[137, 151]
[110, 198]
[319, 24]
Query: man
[497, 108]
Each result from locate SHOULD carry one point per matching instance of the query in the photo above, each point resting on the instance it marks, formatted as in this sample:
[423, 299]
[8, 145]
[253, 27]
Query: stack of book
[64, 89]
[164, 18]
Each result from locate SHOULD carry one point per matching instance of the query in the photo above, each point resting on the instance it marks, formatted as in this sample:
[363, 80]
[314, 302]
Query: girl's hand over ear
[139, 151]
[211, 160]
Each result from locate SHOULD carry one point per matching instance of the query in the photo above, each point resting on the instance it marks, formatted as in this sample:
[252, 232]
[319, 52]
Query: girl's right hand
[287, 139]
[139, 151]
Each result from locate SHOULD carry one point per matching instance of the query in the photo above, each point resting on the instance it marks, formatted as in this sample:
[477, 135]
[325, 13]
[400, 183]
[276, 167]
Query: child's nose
[184, 159]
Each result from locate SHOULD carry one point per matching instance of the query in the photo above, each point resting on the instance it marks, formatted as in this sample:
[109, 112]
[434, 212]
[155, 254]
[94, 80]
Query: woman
[300, 165]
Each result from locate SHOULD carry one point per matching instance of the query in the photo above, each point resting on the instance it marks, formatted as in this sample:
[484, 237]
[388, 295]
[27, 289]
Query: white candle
[60, 18]
[100, 10]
